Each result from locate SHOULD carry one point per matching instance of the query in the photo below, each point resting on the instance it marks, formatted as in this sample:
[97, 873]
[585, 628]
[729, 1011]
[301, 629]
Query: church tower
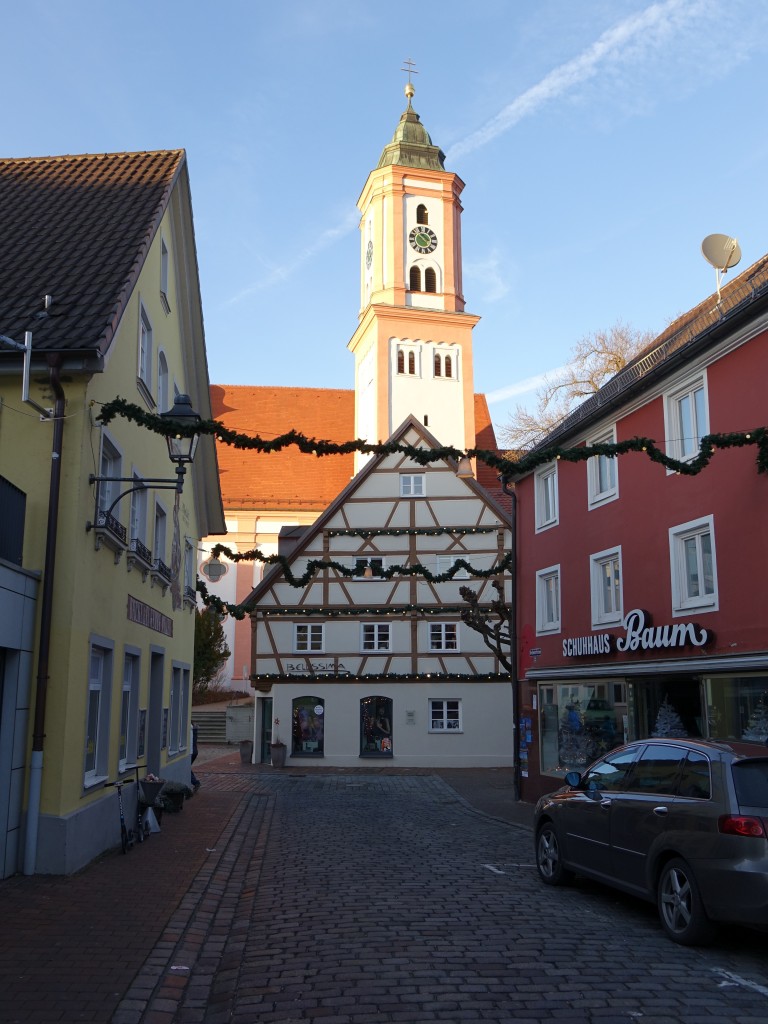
[413, 343]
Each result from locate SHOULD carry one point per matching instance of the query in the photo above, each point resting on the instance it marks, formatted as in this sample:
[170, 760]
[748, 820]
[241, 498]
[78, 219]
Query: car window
[611, 771]
[657, 770]
[695, 780]
[751, 781]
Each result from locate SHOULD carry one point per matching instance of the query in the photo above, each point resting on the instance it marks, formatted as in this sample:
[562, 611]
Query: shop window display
[578, 723]
[308, 727]
[376, 727]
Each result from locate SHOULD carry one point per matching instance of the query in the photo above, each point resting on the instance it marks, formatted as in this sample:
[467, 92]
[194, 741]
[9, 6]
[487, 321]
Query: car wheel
[680, 906]
[548, 859]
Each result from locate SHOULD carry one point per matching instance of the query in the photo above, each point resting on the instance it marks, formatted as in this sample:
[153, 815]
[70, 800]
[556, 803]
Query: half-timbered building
[359, 650]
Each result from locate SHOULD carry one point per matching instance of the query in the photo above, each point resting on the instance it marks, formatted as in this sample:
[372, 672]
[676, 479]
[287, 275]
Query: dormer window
[415, 279]
[422, 217]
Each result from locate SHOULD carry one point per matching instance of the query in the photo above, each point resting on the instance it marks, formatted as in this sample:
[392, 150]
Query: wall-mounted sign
[148, 616]
[639, 635]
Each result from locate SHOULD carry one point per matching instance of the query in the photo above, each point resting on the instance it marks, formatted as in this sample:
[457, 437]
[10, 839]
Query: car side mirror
[573, 778]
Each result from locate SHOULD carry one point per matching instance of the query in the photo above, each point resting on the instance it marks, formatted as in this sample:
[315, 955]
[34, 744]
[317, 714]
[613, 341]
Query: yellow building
[97, 591]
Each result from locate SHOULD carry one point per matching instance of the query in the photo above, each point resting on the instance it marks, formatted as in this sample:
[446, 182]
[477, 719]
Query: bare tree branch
[595, 359]
[494, 624]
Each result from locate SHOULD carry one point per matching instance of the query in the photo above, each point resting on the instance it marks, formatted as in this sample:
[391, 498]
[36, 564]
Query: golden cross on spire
[411, 70]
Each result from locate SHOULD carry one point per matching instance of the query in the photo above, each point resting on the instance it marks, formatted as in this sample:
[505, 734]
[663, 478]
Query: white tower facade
[413, 344]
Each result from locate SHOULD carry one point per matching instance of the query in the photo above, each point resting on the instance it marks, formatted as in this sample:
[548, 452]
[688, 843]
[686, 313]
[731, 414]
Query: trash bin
[246, 751]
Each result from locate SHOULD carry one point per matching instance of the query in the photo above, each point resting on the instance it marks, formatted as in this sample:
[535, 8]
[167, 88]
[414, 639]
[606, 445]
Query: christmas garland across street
[506, 466]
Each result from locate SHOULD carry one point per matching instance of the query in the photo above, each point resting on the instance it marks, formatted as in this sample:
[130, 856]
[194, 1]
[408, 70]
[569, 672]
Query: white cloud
[487, 274]
[286, 270]
[632, 39]
[521, 387]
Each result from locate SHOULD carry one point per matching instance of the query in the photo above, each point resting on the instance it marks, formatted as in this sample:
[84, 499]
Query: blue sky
[600, 141]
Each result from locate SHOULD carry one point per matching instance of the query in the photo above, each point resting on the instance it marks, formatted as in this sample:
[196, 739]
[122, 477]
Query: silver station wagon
[682, 823]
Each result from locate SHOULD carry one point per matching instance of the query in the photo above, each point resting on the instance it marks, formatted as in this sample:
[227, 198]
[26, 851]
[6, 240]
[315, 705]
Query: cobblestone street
[351, 898]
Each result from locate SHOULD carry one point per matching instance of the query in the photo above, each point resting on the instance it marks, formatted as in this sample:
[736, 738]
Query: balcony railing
[161, 574]
[110, 531]
[190, 596]
[139, 556]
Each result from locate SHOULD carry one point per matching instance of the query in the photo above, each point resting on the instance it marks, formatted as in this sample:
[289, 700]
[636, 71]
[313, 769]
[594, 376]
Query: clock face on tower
[369, 255]
[423, 239]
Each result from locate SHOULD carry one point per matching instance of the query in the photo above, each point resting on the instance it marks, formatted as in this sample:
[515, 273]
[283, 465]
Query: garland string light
[506, 467]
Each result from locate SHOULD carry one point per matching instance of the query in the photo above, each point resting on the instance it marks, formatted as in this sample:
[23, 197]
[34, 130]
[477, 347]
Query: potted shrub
[277, 748]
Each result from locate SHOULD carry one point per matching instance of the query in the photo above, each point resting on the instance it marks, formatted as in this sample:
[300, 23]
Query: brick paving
[351, 897]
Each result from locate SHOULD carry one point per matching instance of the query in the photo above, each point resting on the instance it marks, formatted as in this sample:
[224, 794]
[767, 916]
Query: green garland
[506, 467]
[501, 677]
[314, 565]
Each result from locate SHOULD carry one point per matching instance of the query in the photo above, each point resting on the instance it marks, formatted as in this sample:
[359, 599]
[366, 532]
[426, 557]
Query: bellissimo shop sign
[148, 616]
[640, 635]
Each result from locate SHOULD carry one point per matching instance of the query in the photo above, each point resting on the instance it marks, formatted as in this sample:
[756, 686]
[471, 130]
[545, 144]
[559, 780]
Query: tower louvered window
[415, 279]
[430, 280]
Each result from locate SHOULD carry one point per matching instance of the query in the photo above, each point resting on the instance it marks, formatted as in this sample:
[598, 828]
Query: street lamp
[182, 448]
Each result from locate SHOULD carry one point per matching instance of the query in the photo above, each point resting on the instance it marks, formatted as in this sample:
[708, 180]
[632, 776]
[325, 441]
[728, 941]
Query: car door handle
[605, 803]
[661, 810]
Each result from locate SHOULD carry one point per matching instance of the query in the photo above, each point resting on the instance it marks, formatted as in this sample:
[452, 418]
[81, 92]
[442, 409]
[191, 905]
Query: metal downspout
[46, 616]
[512, 494]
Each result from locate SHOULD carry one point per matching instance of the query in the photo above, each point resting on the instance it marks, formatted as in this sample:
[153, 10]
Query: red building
[641, 585]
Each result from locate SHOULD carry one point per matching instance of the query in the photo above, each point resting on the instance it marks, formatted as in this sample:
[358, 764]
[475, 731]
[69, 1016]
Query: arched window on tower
[415, 279]
[438, 365]
[430, 280]
[448, 367]
[422, 217]
[412, 362]
[400, 361]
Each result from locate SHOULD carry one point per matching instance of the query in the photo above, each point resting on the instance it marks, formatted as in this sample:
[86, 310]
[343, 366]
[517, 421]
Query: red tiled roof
[77, 228]
[290, 479]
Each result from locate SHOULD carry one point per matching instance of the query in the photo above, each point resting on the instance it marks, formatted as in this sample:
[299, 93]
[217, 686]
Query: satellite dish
[722, 252]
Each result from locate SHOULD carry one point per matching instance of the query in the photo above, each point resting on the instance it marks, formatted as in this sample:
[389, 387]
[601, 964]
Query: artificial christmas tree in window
[757, 726]
[668, 722]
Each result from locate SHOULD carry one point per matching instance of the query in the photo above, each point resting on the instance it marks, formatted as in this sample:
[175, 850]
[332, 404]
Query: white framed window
[165, 263]
[309, 637]
[445, 715]
[409, 360]
[145, 351]
[444, 563]
[111, 465]
[184, 720]
[602, 472]
[445, 363]
[129, 704]
[160, 532]
[368, 568]
[606, 587]
[190, 578]
[138, 529]
[413, 485]
[163, 378]
[97, 714]
[174, 701]
[693, 566]
[443, 636]
[547, 511]
[375, 636]
[686, 418]
[548, 600]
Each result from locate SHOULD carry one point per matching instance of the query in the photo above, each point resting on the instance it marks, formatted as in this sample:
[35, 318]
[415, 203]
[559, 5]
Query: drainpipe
[46, 616]
[512, 494]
